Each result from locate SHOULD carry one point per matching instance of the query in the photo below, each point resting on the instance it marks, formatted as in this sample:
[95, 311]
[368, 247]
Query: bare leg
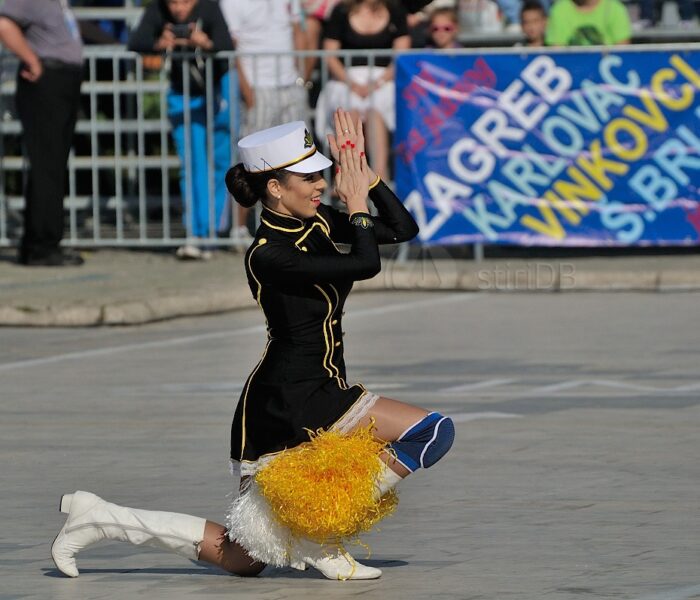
[378, 143]
[355, 115]
[218, 550]
[392, 418]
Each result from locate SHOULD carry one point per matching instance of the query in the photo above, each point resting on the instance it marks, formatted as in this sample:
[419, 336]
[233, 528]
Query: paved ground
[574, 475]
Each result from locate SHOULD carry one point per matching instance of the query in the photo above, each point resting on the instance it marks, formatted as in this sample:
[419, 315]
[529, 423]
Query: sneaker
[190, 252]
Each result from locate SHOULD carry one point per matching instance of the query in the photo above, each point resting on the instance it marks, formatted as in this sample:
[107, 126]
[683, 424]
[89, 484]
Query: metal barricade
[127, 185]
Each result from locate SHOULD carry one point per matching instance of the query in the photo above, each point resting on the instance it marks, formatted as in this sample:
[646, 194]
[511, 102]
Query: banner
[559, 149]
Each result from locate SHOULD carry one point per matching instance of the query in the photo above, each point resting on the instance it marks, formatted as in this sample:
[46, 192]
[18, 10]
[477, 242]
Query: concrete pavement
[122, 287]
[574, 473]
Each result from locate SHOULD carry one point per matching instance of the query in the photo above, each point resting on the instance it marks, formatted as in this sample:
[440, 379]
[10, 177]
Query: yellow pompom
[325, 489]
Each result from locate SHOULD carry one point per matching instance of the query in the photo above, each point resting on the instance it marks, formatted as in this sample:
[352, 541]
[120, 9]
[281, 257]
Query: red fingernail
[337, 170]
[352, 145]
[362, 154]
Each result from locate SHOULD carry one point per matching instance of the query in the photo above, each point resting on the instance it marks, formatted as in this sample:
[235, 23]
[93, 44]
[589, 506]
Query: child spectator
[443, 29]
[418, 18]
[533, 20]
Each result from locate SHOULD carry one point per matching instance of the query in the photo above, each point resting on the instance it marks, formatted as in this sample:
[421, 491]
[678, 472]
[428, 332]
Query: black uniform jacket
[301, 280]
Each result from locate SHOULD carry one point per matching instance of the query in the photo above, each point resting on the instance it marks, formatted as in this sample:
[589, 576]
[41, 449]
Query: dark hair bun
[238, 184]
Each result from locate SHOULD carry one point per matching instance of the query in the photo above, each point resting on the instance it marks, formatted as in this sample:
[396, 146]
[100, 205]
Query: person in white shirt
[272, 89]
[271, 86]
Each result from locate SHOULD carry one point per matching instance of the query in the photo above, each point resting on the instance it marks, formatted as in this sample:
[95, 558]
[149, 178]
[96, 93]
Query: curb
[128, 313]
[486, 277]
[543, 277]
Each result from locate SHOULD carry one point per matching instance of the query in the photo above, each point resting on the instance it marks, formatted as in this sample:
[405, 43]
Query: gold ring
[346, 131]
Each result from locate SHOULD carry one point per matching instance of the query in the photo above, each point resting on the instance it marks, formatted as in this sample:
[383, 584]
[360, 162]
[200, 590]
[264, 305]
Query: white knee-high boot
[91, 519]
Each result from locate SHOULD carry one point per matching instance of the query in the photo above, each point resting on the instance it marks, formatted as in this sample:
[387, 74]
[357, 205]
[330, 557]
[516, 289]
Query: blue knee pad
[426, 442]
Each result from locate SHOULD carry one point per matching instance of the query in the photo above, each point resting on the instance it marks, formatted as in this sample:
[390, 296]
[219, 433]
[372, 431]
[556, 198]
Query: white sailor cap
[289, 146]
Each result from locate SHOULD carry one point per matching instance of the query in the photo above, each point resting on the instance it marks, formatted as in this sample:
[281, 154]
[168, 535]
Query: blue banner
[559, 149]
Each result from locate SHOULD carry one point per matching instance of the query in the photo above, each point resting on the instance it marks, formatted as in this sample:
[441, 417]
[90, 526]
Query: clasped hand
[349, 132]
[351, 178]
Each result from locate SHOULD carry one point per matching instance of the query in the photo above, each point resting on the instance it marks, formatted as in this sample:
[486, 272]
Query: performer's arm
[392, 225]
[274, 262]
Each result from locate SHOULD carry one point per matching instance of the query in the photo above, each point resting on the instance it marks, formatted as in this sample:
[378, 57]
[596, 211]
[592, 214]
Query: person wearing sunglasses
[443, 29]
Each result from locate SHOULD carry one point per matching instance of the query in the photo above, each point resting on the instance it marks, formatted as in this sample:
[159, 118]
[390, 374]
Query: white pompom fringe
[251, 523]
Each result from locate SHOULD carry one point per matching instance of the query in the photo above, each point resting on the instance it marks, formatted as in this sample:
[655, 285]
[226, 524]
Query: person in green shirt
[588, 23]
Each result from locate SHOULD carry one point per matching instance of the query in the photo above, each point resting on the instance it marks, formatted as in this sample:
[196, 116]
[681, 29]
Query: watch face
[362, 221]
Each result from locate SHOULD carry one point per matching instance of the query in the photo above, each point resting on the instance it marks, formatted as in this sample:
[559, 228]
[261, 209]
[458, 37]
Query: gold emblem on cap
[308, 140]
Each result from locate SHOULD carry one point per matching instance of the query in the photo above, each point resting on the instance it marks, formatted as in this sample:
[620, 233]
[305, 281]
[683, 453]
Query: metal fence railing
[123, 169]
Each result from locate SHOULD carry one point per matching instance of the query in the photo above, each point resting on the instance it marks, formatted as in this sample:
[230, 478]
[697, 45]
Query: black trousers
[48, 110]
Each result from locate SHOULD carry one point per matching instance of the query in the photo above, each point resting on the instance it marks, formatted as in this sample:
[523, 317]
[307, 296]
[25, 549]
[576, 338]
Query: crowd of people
[274, 89]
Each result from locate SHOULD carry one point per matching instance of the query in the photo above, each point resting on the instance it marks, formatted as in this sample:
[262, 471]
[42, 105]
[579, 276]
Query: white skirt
[337, 94]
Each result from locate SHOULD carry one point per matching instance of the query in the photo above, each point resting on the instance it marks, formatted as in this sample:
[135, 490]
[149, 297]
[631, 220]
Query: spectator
[509, 9]
[486, 16]
[273, 90]
[533, 20]
[115, 29]
[365, 90]
[194, 26]
[45, 38]
[443, 28]
[648, 15]
[511, 12]
[588, 23]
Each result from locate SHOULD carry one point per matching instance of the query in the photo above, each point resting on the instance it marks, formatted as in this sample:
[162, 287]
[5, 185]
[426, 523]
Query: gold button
[262, 241]
[334, 322]
[337, 344]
